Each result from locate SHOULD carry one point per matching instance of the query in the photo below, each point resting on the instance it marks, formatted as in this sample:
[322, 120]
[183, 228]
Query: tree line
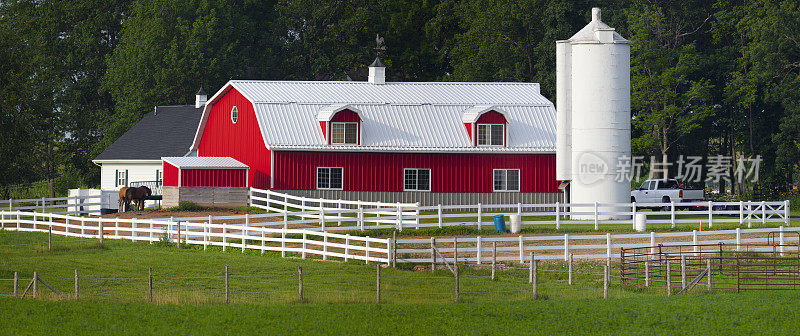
[708, 78]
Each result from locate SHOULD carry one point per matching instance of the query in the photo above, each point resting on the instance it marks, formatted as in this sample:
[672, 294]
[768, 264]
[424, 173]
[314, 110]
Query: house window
[491, 135]
[344, 133]
[122, 178]
[506, 180]
[417, 179]
[234, 114]
[329, 178]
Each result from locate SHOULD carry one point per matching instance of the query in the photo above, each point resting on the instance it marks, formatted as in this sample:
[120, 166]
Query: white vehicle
[665, 191]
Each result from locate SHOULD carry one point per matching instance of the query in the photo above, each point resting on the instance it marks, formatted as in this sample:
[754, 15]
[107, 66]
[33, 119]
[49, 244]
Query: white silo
[594, 115]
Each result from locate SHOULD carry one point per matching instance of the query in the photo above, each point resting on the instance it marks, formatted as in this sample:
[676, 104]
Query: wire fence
[292, 286]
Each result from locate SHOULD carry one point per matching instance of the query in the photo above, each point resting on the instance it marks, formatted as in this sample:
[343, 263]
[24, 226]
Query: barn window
[506, 180]
[234, 114]
[417, 179]
[344, 133]
[491, 135]
[329, 178]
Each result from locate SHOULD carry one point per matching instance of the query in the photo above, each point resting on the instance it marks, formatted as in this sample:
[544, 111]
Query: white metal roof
[188, 162]
[396, 116]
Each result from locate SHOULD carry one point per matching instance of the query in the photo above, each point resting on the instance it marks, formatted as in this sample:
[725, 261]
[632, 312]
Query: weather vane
[379, 46]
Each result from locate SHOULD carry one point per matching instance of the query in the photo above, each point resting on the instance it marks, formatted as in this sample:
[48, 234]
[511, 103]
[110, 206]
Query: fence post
[394, 249]
[608, 245]
[244, 231]
[283, 243]
[100, 231]
[708, 274]
[322, 217]
[786, 213]
[530, 270]
[378, 283]
[227, 288]
[647, 274]
[339, 213]
[303, 254]
[780, 233]
[324, 245]
[596, 222]
[672, 213]
[43, 207]
[50, 238]
[480, 215]
[535, 277]
[710, 215]
[439, 207]
[738, 239]
[566, 246]
[433, 254]
[683, 272]
[569, 275]
[519, 211]
[494, 258]
[77, 295]
[668, 277]
[605, 281]
[360, 217]
[399, 217]
[558, 215]
[16, 283]
[694, 241]
[741, 213]
[366, 250]
[652, 242]
[763, 212]
[179, 234]
[150, 284]
[633, 214]
[521, 251]
[480, 247]
[35, 284]
[224, 235]
[300, 282]
[455, 251]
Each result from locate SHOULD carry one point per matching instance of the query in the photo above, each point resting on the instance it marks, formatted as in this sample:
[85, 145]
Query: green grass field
[339, 297]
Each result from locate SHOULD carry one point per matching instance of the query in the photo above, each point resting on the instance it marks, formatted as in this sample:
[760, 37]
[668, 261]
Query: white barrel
[640, 222]
[516, 223]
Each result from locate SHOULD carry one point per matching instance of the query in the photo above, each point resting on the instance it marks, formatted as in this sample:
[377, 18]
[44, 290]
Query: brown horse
[138, 195]
[124, 201]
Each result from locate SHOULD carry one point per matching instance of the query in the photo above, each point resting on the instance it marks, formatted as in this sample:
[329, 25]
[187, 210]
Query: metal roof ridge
[387, 83]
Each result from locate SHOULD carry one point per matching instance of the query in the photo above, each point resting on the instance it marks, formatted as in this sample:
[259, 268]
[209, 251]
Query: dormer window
[486, 126]
[491, 134]
[340, 124]
[344, 133]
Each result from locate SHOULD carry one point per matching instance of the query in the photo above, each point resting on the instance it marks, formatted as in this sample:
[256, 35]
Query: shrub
[187, 206]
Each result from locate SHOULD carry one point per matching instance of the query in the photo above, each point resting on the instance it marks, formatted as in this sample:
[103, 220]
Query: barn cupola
[200, 98]
[377, 72]
[486, 125]
[341, 124]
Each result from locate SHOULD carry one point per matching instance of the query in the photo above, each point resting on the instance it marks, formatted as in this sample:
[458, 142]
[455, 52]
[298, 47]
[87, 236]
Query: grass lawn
[339, 297]
[719, 314]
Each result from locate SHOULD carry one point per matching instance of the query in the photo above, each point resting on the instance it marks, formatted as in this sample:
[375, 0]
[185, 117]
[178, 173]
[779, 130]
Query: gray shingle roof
[167, 131]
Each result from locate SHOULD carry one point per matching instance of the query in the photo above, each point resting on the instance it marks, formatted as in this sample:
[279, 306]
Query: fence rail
[587, 246]
[243, 236]
[73, 205]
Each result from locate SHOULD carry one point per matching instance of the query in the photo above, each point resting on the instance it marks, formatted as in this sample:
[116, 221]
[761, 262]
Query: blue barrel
[499, 223]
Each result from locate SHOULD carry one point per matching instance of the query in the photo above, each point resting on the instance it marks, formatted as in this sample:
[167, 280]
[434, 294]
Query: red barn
[399, 142]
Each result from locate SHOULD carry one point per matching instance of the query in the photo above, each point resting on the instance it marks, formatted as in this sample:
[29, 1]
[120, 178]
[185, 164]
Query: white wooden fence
[242, 236]
[74, 205]
[342, 215]
[582, 246]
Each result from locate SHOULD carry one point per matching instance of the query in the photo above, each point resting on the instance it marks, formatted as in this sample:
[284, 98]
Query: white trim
[179, 176]
[271, 169]
[125, 161]
[477, 139]
[316, 178]
[519, 183]
[430, 179]
[354, 148]
[471, 115]
[358, 132]
[326, 113]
